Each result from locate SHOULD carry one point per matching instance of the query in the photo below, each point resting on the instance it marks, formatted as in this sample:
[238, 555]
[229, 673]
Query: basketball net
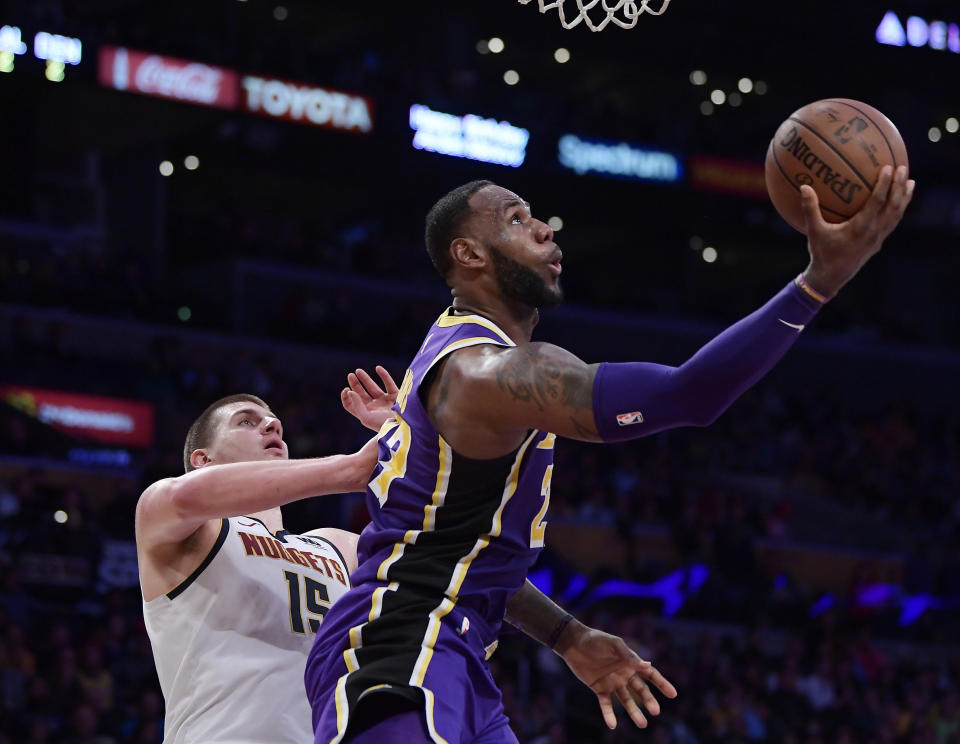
[631, 11]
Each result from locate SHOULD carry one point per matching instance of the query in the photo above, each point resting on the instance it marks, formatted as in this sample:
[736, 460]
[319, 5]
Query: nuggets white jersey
[231, 641]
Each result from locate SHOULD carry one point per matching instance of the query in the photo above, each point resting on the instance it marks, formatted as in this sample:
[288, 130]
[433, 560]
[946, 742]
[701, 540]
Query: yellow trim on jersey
[508, 491]
[376, 606]
[445, 460]
[408, 538]
[373, 688]
[343, 708]
[447, 321]
[430, 640]
[460, 572]
[428, 694]
[548, 442]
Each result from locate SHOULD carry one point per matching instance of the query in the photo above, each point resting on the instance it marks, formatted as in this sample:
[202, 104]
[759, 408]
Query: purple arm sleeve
[635, 399]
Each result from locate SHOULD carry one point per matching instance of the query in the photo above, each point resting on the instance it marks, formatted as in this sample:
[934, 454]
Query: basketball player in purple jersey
[461, 491]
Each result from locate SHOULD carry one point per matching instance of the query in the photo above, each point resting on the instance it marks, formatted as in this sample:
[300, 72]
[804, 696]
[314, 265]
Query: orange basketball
[838, 146]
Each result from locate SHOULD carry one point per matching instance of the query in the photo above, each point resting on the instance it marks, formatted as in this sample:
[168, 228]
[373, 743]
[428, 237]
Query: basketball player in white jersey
[231, 600]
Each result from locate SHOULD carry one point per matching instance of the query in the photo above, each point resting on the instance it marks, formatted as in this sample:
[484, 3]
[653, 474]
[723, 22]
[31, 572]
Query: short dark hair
[198, 436]
[445, 219]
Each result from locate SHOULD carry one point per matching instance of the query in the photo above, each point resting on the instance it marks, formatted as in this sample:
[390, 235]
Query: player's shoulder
[485, 360]
[477, 363]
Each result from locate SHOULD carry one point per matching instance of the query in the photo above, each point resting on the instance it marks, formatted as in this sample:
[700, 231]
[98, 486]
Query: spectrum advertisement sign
[618, 160]
[219, 87]
[473, 137]
[99, 418]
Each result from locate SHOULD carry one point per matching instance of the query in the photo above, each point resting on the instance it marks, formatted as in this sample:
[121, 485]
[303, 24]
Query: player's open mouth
[274, 444]
[555, 264]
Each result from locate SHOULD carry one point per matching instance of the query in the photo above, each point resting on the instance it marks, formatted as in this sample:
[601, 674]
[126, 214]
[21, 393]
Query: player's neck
[514, 319]
[272, 518]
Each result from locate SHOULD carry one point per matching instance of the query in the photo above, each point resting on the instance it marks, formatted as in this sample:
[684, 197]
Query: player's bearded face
[521, 283]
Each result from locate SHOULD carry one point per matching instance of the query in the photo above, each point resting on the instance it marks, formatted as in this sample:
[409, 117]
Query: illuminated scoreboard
[56, 50]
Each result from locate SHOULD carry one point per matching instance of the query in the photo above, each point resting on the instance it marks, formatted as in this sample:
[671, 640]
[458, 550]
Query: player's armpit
[343, 540]
[506, 390]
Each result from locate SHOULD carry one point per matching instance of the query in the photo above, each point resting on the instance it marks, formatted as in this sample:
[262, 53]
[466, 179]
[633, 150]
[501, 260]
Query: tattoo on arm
[532, 378]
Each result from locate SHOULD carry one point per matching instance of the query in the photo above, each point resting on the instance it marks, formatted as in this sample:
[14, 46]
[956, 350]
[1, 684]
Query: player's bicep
[538, 386]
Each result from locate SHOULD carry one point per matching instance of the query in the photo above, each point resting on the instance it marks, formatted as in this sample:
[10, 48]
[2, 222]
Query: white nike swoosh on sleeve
[797, 326]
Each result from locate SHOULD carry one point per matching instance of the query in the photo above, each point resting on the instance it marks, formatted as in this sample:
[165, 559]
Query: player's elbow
[184, 497]
[704, 416]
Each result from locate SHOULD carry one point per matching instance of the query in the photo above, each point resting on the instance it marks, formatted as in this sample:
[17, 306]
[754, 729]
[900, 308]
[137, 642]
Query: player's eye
[246, 422]
[517, 219]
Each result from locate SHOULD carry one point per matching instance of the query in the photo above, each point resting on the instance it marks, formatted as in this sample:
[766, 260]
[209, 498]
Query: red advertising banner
[107, 420]
[168, 77]
[727, 176]
[307, 104]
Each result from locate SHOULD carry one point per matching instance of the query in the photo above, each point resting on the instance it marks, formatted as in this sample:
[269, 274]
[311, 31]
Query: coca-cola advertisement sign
[168, 77]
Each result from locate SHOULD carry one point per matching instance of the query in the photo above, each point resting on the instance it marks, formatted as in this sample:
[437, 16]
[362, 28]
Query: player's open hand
[838, 251]
[609, 667]
[364, 399]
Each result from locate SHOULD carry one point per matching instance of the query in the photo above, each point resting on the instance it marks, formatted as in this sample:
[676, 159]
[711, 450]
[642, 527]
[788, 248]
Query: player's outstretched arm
[172, 509]
[542, 386]
[603, 662]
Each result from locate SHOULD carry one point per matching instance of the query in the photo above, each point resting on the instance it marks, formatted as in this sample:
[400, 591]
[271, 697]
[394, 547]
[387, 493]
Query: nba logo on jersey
[634, 417]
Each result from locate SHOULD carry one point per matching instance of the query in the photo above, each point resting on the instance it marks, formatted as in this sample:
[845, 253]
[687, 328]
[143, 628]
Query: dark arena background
[201, 198]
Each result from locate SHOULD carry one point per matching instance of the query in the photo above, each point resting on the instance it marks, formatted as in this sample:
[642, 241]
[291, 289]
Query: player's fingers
[641, 690]
[354, 382]
[369, 385]
[879, 196]
[810, 205]
[653, 675]
[606, 708]
[630, 705]
[388, 384]
[901, 193]
[898, 190]
[350, 401]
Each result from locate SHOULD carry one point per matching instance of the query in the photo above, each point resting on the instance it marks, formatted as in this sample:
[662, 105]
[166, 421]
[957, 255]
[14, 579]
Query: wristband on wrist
[558, 631]
[809, 291]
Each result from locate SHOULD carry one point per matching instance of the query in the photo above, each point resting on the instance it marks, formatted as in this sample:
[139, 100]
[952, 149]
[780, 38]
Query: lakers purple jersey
[444, 523]
[451, 539]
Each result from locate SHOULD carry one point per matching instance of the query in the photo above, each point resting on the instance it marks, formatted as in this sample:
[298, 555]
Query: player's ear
[468, 253]
[200, 458]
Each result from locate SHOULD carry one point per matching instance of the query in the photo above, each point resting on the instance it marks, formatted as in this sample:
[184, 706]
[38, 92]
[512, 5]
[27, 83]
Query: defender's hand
[366, 401]
[838, 251]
